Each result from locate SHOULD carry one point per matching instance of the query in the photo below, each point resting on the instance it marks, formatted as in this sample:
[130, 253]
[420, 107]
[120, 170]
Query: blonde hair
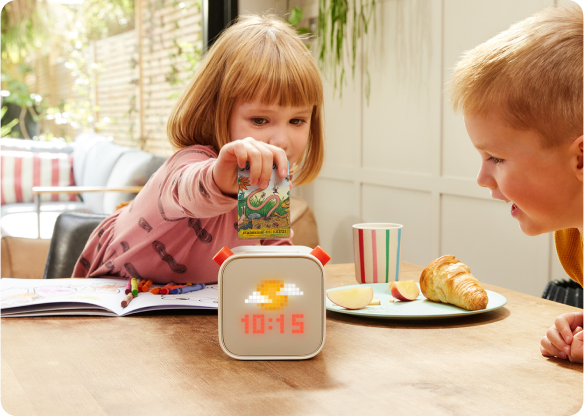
[258, 56]
[530, 74]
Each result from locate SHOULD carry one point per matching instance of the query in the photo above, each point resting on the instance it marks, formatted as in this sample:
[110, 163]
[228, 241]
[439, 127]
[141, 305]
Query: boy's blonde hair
[530, 74]
[257, 57]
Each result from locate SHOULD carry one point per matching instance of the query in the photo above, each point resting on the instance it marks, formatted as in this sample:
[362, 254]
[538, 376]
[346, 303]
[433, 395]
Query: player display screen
[272, 306]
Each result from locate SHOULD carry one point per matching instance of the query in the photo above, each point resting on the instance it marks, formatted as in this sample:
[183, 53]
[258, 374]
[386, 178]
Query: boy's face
[542, 184]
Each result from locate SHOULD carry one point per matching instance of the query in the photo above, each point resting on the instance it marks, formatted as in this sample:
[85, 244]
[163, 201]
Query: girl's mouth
[514, 210]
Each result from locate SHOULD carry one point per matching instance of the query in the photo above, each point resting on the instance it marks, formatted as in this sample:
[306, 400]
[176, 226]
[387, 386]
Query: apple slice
[405, 290]
[355, 298]
[375, 301]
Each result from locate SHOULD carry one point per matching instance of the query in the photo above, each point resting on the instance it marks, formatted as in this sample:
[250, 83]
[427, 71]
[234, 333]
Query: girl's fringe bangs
[276, 75]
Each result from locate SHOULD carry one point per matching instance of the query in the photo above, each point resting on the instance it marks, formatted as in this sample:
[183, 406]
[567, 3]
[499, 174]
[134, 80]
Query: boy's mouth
[514, 210]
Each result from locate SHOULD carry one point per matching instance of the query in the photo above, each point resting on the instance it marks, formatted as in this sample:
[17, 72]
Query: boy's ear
[577, 151]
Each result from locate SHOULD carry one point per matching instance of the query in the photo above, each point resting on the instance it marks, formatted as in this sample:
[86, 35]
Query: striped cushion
[20, 171]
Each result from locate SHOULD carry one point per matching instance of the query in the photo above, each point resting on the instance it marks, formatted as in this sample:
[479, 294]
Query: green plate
[416, 309]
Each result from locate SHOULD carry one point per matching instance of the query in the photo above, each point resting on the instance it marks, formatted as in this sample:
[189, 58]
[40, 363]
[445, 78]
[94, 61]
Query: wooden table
[171, 364]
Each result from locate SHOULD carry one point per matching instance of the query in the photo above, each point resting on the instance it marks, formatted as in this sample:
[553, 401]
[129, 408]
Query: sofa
[42, 179]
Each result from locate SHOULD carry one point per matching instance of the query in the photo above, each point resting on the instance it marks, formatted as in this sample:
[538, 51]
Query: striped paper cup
[377, 247]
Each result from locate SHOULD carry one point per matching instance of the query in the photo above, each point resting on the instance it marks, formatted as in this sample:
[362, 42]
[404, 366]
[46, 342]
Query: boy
[521, 96]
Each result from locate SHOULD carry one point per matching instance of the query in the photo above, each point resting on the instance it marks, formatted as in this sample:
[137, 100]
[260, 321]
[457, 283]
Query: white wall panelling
[335, 203]
[467, 24]
[488, 239]
[406, 157]
[261, 6]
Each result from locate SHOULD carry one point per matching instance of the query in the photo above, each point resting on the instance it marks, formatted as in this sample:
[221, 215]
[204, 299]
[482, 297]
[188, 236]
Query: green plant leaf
[295, 16]
[6, 130]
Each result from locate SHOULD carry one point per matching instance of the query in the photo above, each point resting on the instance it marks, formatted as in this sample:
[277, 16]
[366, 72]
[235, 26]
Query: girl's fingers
[240, 154]
[548, 349]
[273, 155]
[269, 155]
[267, 163]
[261, 157]
[260, 163]
[254, 157]
[282, 162]
[258, 160]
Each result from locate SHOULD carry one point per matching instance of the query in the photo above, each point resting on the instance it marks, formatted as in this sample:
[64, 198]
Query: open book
[93, 296]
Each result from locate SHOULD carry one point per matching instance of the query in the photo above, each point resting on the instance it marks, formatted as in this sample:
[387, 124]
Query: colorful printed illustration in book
[14, 296]
[263, 212]
[105, 287]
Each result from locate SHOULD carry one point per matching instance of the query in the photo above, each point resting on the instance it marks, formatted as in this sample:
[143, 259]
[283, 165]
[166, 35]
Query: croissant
[447, 280]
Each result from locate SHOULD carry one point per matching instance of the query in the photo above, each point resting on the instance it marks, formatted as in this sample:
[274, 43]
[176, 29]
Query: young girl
[256, 98]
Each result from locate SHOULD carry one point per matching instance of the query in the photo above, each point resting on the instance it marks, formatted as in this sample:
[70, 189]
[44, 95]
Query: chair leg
[37, 203]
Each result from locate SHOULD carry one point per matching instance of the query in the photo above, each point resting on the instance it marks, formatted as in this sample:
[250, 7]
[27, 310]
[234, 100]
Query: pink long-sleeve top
[173, 228]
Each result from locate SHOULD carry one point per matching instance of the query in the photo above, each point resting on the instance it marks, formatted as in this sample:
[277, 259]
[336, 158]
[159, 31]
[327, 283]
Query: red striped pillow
[20, 171]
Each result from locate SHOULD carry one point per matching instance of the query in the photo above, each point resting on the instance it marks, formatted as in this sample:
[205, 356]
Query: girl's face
[285, 127]
[541, 183]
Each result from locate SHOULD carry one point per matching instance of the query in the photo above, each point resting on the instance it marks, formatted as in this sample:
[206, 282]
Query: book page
[48, 294]
[92, 296]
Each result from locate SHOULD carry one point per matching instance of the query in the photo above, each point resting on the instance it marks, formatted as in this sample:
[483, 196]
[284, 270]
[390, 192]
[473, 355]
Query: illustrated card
[263, 213]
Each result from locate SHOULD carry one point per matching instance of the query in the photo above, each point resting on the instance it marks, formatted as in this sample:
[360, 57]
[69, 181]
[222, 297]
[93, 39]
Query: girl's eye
[297, 121]
[259, 121]
[495, 160]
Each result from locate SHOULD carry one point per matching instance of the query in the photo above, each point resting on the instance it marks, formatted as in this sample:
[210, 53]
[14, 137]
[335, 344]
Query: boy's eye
[297, 121]
[495, 160]
[259, 121]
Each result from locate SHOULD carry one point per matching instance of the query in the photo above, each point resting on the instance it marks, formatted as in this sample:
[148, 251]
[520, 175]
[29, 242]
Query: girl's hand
[559, 337]
[260, 156]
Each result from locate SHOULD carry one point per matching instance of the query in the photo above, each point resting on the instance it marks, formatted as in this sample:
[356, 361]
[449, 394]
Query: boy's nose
[486, 180]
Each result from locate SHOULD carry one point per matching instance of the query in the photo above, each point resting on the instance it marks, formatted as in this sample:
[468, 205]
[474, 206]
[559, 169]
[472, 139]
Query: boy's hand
[260, 156]
[558, 339]
[576, 347]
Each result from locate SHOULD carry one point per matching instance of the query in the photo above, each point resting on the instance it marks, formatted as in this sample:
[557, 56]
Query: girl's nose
[279, 138]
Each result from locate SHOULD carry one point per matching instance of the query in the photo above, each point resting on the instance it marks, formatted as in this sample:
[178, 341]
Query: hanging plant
[294, 18]
[336, 45]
